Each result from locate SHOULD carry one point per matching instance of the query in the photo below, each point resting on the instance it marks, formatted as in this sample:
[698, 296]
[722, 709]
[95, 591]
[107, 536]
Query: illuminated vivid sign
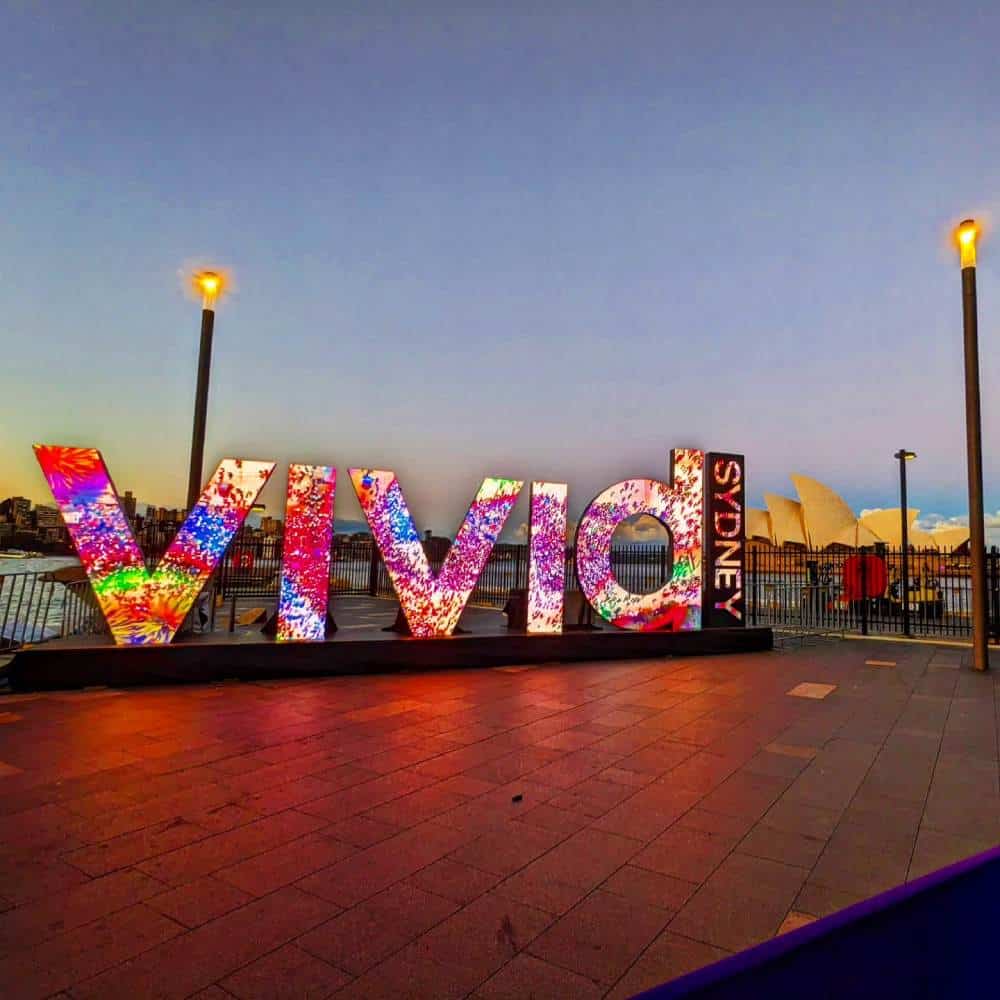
[143, 607]
[700, 505]
[432, 603]
[547, 557]
[305, 557]
[678, 506]
[726, 555]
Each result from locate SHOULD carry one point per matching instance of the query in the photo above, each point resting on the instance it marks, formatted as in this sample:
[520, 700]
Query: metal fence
[831, 591]
[252, 568]
[863, 591]
[27, 604]
[81, 614]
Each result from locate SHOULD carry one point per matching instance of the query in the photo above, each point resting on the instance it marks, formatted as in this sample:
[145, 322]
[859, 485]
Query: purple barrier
[932, 938]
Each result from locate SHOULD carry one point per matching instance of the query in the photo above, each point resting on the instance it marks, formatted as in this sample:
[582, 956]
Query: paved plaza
[553, 831]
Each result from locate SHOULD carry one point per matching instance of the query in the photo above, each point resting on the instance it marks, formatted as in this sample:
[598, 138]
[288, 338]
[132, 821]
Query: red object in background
[244, 560]
[867, 569]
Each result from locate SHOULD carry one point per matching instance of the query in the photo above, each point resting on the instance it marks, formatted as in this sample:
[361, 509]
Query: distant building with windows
[47, 517]
[128, 505]
[16, 511]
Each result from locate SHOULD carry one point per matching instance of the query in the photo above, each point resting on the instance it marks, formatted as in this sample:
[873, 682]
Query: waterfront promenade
[556, 831]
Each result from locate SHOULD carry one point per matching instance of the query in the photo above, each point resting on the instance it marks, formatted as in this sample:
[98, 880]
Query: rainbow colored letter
[143, 607]
[432, 604]
[305, 562]
[547, 558]
[677, 604]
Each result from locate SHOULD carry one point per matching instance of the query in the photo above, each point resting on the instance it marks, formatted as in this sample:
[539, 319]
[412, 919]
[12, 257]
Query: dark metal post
[195, 482]
[864, 590]
[373, 562]
[902, 455]
[994, 563]
[974, 452]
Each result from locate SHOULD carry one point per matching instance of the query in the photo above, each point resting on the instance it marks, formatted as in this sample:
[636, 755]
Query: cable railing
[844, 591]
[30, 608]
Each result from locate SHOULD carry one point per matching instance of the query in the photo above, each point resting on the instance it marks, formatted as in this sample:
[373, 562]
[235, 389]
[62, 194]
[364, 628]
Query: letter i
[547, 560]
[305, 561]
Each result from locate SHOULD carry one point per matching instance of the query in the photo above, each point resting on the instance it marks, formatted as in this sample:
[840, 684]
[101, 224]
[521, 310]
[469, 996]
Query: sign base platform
[59, 665]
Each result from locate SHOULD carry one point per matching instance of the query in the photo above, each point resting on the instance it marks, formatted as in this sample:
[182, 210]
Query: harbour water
[39, 564]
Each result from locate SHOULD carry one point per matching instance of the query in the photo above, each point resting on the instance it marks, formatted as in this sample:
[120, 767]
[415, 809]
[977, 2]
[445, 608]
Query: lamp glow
[210, 284]
[967, 234]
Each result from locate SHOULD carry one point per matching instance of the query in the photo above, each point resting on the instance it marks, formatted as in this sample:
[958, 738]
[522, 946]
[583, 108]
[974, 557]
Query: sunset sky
[483, 241]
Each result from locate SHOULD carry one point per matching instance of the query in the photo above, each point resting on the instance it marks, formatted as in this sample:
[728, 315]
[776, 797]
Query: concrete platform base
[57, 665]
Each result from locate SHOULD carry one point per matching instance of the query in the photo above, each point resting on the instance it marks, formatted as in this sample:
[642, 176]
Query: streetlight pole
[967, 233]
[209, 283]
[903, 456]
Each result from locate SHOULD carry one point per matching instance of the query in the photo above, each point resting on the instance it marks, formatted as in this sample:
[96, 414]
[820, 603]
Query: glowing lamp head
[967, 234]
[210, 285]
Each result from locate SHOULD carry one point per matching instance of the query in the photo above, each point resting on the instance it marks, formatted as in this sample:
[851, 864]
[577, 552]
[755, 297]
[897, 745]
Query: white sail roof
[786, 519]
[950, 538]
[759, 524]
[888, 524]
[827, 515]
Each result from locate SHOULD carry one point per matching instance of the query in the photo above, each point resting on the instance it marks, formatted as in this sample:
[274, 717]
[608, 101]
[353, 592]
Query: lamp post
[210, 285]
[967, 234]
[903, 456]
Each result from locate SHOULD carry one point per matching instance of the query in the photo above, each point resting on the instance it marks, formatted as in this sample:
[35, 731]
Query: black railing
[863, 591]
[28, 604]
[81, 614]
[829, 590]
[251, 567]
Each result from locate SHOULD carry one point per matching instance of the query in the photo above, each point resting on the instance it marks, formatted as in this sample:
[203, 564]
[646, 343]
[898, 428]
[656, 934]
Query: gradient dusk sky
[530, 240]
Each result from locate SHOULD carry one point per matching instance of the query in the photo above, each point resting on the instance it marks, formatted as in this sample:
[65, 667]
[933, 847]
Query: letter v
[143, 607]
[432, 603]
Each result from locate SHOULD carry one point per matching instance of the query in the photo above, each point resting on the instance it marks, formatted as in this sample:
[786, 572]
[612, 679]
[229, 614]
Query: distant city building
[128, 505]
[164, 515]
[271, 525]
[47, 517]
[16, 510]
[27, 528]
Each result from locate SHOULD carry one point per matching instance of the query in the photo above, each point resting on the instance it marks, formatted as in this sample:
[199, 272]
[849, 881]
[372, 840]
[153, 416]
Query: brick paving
[553, 831]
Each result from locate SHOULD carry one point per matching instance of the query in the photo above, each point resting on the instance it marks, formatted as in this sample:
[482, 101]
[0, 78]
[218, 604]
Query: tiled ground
[558, 831]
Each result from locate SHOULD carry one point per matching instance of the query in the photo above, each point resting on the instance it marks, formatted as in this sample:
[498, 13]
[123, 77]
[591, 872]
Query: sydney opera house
[820, 518]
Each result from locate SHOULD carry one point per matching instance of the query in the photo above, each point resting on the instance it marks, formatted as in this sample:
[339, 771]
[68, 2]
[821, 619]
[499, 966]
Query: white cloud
[928, 522]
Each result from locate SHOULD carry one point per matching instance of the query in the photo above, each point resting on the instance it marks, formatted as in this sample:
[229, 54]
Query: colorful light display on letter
[547, 557]
[676, 605]
[305, 562]
[143, 607]
[725, 547]
[432, 604]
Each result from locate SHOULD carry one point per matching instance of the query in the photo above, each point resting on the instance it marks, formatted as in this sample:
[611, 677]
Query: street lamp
[903, 456]
[210, 285]
[966, 235]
